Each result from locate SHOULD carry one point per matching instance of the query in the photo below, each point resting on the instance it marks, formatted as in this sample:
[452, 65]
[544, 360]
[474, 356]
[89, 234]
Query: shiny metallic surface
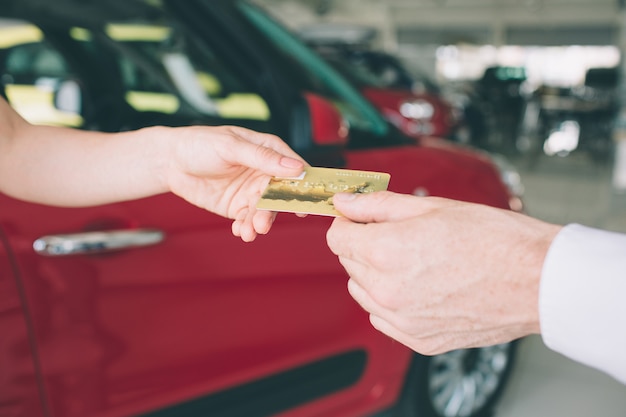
[94, 242]
[462, 381]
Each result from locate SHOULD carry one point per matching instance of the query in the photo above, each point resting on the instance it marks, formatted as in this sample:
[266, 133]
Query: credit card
[312, 192]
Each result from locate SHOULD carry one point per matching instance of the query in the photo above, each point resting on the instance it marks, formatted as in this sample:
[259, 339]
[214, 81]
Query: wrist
[159, 142]
[538, 252]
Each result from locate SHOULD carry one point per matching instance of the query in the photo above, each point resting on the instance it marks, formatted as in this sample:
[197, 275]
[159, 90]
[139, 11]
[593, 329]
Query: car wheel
[461, 383]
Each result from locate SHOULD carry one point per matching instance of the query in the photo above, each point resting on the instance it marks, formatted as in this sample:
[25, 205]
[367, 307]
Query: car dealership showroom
[449, 248]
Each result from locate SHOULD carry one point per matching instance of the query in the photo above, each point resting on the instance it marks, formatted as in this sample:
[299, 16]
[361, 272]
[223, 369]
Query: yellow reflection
[17, 35]
[80, 34]
[138, 32]
[36, 105]
[243, 106]
[209, 83]
[148, 101]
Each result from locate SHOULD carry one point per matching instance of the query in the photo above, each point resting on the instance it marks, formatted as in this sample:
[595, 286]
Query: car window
[151, 66]
[149, 52]
[38, 59]
[353, 70]
[32, 72]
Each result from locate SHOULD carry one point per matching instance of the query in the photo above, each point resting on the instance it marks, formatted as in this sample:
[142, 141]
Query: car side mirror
[328, 126]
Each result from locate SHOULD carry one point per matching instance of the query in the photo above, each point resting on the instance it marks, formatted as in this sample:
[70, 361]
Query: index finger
[344, 238]
[266, 140]
[236, 150]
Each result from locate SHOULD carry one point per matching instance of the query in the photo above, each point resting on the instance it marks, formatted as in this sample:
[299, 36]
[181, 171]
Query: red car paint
[327, 124]
[139, 330]
[389, 101]
[126, 332]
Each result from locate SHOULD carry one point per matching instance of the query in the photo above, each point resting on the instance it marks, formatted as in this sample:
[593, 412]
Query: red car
[414, 107]
[152, 307]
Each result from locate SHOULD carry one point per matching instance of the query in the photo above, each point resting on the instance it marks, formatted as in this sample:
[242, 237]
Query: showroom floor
[544, 383]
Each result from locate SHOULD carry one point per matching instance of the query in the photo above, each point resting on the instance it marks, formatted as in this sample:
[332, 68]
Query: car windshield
[149, 61]
[149, 64]
[358, 111]
[354, 70]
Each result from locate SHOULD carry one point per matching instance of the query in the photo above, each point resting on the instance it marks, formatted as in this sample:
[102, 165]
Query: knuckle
[385, 296]
[407, 326]
[264, 153]
[426, 347]
[330, 234]
[377, 258]
[380, 197]
[333, 239]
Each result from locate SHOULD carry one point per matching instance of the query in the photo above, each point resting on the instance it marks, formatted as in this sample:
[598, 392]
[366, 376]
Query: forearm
[222, 169]
[67, 167]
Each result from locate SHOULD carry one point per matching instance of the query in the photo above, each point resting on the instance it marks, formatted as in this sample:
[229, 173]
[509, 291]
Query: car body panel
[443, 172]
[20, 394]
[196, 308]
[383, 80]
[389, 102]
[202, 323]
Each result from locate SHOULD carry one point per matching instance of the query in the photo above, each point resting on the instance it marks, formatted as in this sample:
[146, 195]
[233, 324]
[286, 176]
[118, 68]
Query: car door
[195, 313]
[19, 393]
[183, 314]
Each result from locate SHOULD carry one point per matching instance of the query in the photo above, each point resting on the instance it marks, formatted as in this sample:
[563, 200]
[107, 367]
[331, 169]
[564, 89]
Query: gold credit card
[312, 192]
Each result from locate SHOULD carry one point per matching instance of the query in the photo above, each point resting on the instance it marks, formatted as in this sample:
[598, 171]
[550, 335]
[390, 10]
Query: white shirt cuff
[582, 298]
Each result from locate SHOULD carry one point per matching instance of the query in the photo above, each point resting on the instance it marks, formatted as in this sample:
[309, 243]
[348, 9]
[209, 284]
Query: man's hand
[437, 274]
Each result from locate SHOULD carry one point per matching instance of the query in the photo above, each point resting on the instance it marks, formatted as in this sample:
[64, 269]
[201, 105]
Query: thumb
[383, 206]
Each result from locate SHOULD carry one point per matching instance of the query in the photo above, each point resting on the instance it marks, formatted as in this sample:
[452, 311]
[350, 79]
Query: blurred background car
[501, 98]
[410, 101]
[562, 120]
[417, 112]
[195, 322]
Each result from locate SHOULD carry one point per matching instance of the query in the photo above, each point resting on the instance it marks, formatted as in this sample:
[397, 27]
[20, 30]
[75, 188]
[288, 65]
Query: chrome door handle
[96, 242]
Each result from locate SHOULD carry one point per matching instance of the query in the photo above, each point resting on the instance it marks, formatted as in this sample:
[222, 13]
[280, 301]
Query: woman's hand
[225, 170]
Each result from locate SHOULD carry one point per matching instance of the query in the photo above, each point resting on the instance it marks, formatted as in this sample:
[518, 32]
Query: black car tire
[432, 381]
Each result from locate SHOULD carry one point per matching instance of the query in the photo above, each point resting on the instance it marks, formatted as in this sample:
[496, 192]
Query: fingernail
[344, 197]
[290, 162]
